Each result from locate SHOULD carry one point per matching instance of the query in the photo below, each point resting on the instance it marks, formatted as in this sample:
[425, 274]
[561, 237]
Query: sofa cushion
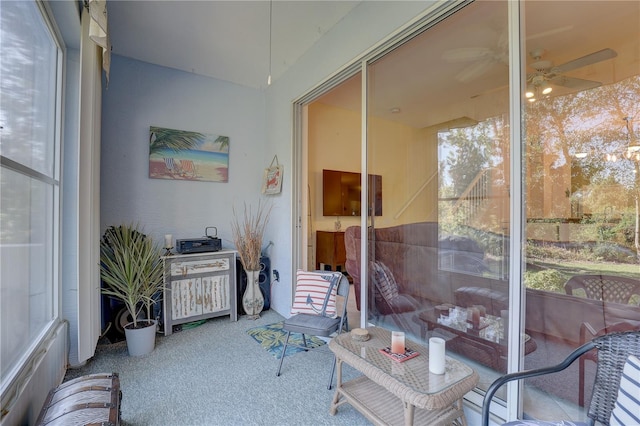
[316, 293]
[404, 303]
[494, 301]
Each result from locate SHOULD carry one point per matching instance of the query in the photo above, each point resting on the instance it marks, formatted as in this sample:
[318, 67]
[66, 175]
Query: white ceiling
[227, 40]
[431, 85]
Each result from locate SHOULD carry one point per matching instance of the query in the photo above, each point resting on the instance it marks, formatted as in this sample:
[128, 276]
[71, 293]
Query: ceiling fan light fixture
[530, 92]
[581, 155]
[546, 88]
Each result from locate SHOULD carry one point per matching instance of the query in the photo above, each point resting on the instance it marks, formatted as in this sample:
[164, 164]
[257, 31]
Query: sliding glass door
[443, 259]
[501, 144]
[438, 134]
[582, 125]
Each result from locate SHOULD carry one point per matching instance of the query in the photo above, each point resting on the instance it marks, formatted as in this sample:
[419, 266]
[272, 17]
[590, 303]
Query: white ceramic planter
[140, 341]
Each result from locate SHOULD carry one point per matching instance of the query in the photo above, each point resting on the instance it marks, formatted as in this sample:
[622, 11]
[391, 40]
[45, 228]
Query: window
[29, 180]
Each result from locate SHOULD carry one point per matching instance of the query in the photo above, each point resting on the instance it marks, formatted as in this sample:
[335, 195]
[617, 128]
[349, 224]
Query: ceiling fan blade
[574, 83]
[549, 32]
[474, 70]
[592, 58]
[467, 54]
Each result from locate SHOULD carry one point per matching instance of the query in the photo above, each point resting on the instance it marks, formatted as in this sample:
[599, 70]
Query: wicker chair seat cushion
[626, 411]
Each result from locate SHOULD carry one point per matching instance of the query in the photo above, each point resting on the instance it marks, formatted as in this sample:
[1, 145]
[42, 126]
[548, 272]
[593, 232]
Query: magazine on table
[408, 354]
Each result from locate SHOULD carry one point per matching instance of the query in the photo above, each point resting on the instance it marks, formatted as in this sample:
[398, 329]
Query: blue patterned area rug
[271, 337]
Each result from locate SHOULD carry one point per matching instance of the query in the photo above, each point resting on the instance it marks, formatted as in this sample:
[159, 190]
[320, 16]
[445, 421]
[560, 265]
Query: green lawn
[571, 268]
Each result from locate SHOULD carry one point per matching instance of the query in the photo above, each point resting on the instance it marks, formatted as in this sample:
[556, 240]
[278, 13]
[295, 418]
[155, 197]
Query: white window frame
[21, 369]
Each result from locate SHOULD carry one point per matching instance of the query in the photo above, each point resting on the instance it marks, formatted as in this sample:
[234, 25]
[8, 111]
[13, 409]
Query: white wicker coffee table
[420, 397]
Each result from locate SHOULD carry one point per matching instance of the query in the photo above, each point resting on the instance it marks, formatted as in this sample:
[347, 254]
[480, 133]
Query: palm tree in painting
[175, 140]
[223, 141]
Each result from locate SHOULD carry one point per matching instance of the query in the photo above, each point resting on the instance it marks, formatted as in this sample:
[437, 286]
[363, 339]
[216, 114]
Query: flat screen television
[341, 193]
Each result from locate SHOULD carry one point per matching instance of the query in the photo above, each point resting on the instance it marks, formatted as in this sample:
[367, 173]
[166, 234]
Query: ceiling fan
[484, 58]
[546, 74]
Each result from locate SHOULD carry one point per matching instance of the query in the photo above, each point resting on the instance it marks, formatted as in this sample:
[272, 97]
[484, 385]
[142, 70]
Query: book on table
[408, 354]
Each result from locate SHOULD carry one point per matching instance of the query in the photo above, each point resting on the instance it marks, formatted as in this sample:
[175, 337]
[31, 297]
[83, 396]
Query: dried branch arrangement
[248, 231]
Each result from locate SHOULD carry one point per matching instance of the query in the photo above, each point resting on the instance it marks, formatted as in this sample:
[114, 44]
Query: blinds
[99, 32]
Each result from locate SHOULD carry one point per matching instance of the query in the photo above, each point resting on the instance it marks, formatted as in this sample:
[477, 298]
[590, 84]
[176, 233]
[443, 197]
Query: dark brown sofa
[430, 270]
[413, 253]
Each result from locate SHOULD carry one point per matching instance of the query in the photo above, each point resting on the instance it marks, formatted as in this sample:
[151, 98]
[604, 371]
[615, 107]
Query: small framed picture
[272, 179]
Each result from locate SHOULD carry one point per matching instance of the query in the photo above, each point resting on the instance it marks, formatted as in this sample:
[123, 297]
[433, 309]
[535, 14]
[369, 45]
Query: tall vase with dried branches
[248, 230]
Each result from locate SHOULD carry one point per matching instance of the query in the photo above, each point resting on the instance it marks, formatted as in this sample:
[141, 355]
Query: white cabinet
[199, 286]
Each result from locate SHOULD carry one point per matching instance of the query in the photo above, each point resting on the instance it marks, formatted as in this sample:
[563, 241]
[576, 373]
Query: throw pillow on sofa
[385, 282]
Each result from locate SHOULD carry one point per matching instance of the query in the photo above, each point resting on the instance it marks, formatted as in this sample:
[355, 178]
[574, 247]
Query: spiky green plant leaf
[131, 267]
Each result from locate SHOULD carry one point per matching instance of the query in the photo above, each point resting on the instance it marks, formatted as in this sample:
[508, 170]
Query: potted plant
[131, 268]
[248, 231]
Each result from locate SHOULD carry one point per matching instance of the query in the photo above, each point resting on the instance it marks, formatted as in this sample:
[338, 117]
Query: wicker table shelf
[420, 397]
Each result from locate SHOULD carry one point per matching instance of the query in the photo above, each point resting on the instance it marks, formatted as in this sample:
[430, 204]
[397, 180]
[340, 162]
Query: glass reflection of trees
[585, 140]
[579, 171]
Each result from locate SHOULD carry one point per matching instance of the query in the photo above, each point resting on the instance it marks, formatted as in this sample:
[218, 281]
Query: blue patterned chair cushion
[626, 411]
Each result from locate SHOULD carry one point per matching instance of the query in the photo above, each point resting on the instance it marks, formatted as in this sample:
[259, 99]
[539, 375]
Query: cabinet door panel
[215, 292]
[184, 298]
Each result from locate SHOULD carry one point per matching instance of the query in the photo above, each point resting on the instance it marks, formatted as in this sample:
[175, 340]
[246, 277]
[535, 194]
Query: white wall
[142, 95]
[366, 25]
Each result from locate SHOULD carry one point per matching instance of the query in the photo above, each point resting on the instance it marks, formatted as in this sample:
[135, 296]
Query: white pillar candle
[436, 355]
[168, 241]
[397, 342]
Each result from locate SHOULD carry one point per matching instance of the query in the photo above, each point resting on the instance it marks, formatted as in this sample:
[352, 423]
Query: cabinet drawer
[181, 269]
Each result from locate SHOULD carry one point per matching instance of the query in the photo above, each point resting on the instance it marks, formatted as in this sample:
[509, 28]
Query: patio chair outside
[613, 351]
[607, 288]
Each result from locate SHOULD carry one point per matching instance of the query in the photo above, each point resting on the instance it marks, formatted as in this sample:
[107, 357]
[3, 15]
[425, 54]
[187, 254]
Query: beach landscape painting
[185, 155]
